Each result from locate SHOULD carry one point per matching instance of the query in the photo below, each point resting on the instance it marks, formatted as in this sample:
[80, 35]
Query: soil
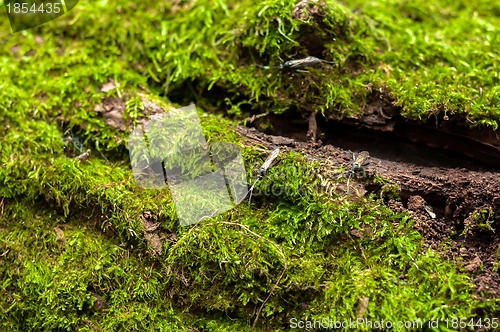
[454, 208]
[382, 125]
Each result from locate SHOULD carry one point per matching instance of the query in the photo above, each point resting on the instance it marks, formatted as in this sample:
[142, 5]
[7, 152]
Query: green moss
[414, 52]
[72, 233]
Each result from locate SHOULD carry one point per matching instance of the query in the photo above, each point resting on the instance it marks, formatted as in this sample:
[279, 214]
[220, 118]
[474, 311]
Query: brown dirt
[151, 226]
[455, 209]
[112, 110]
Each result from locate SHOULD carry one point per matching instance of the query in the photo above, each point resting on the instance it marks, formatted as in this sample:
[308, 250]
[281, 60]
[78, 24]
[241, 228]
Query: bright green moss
[439, 57]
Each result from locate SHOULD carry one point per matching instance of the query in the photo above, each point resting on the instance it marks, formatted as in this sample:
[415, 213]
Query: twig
[253, 118]
[84, 156]
[258, 116]
[251, 191]
[208, 217]
[259, 140]
[260, 149]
